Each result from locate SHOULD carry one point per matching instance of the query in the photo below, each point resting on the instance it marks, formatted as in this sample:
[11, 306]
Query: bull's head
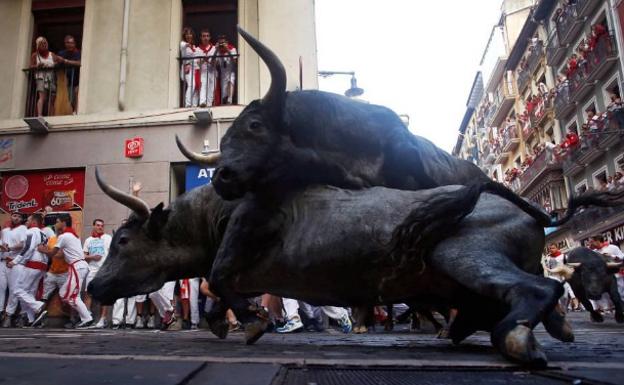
[254, 134]
[594, 275]
[143, 254]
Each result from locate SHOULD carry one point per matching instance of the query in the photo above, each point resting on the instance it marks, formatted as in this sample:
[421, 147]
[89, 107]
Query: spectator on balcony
[597, 32]
[190, 71]
[615, 112]
[530, 104]
[593, 120]
[71, 57]
[572, 66]
[618, 179]
[208, 70]
[44, 61]
[544, 92]
[226, 62]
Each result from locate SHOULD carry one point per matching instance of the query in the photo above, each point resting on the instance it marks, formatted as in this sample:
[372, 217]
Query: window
[600, 178]
[589, 106]
[572, 126]
[581, 187]
[619, 163]
[612, 87]
[54, 90]
[214, 82]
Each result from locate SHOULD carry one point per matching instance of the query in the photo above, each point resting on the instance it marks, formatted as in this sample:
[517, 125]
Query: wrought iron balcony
[563, 105]
[602, 57]
[540, 111]
[585, 7]
[199, 86]
[533, 59]
[510, 139]
[504, 98]
[555, 52]
[541, 164]
[568, 24]
[52, 91]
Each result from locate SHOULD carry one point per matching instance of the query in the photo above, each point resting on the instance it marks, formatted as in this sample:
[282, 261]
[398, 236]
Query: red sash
[36, 265]
[72, 294]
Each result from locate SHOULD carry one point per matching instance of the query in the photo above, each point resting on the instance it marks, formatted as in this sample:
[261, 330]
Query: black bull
[325, 256]
[590, 275]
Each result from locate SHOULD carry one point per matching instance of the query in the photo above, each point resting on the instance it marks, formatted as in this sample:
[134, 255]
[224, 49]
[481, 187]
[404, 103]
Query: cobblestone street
[54, 356]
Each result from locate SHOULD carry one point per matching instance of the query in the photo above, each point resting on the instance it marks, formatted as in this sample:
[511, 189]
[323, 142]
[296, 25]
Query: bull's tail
[602, 199]
[428, 223]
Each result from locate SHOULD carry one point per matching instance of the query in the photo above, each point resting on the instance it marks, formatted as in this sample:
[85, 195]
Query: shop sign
[6, 153]
[30, 192]
[614, 235]
[134, 147]
[197, 175]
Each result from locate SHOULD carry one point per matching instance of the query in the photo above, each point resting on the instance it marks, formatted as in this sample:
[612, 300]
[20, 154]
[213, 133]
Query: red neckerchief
[70, 230]
[96, 235]
[605, 244]
[34, 227]
[207, 49]
[555, 254]
[12, 225]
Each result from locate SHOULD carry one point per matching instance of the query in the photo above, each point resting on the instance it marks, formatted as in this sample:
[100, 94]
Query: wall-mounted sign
[134, 147]
[30, 192]
[6, 153]
[197, 175]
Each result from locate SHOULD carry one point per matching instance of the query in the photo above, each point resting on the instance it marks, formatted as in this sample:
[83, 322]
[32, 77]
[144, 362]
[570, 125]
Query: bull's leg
[617, 300]
[360, 314]
[594, 315]
[248, 234]
[389, 324]
[529, 297]
[216, 320]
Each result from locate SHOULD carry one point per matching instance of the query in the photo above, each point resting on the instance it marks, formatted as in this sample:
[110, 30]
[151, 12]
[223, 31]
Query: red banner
[29, 192]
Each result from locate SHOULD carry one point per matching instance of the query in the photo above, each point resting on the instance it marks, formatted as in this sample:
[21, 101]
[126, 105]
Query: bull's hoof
[443, 334]
[596, 317]
[520, 345]
[619, 318]
[360, 330]
[558, 327]
[256, 327]
[219, 327]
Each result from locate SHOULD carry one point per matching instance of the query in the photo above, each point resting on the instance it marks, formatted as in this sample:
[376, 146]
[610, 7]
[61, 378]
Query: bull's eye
[255, 125]
[123, 240]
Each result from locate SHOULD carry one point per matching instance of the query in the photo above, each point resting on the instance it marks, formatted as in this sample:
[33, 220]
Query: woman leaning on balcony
[44, 60]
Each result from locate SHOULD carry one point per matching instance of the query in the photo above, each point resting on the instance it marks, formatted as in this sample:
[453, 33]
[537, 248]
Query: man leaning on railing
[71, 59]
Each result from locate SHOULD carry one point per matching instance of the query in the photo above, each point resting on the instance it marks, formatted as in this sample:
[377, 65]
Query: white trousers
[4, 283]
[12, 302]
[291, 307]
[227, 78]
[206, 92]
[26, 285]
[191, 94]
[192, 296]
[620, 285]
[70, 291]
[51, 282]
[161, 299]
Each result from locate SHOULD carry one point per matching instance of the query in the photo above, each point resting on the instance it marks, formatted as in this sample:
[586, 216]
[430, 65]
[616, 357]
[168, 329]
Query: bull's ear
[157, 220]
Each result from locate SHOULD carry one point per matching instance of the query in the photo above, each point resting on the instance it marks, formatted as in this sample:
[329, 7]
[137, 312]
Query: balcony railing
[532, 62]
[510, 139]
[563, 105]
[504, 98]
[208, 80]
[584, 7]
[607, 133]
[540, 111]
[568, 24]
[52, 91]
[555, 52]
[540, 164]
[598, 60]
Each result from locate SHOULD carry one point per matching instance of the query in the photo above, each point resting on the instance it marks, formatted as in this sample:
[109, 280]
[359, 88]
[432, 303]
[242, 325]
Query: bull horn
[274, 98]
[209, 159]
[574, 264]
[614, 264]
[135, 204]
[565, 270]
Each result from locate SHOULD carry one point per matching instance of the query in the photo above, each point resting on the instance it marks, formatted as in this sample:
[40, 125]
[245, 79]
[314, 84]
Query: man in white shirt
[12, 244]
[556, 258]
[615, 254]
[208, 71]
[95, 250]
[29, 267]
[226, 63]
[69, 243]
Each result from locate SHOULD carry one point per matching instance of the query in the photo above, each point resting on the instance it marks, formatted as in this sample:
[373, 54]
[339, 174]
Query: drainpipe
[123, 69]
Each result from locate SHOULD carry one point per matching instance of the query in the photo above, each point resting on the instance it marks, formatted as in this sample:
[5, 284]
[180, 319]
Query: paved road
[54, 356]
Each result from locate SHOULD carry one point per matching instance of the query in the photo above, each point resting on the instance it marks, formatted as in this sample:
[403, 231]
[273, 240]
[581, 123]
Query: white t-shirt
[70, 245]
[97, 246]
[612, 251]
[16, 236]
[551, 263]
[4, 238]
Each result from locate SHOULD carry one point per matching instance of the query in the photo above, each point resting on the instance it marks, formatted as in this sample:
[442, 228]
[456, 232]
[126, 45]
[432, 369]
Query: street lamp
[352, 92]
